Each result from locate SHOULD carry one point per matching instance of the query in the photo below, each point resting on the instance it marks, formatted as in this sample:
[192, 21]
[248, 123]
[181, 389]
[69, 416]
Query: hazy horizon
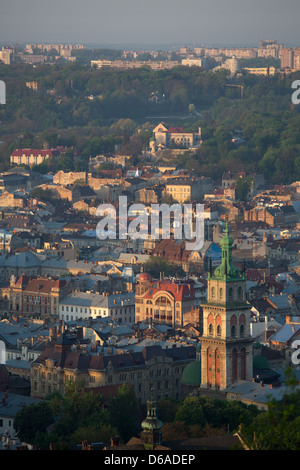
[159, 23]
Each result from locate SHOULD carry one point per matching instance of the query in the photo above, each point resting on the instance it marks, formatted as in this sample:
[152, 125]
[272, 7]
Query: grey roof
[285, 333]
[18, 364]
[20, 260]
[13, 403]
[253, 391]
[281, 301]
[85, 299]
[11, 333]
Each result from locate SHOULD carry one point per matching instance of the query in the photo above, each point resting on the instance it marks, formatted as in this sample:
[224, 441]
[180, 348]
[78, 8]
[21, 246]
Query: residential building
[176, 137]
[120, 306]
[265, 71]
[10, 404]
[287, 58]
[67, 178]
[31, 156]
[153, 371]
[36, 297]
[5, 56]
[188, 190]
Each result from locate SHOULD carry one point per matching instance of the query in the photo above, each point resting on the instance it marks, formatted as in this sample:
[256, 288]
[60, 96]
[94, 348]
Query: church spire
[151, 434]
[226, 270]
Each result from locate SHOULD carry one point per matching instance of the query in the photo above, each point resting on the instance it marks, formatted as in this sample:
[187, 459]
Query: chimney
[114, 441]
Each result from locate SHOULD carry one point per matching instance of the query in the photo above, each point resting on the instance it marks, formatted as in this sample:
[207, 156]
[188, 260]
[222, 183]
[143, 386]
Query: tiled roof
[285, 333]
[34, 152]
[75, 360]
[180, 291]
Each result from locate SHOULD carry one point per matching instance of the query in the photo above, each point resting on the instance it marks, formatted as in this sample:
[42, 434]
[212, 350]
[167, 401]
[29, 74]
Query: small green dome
[260, 362]
[191, 374]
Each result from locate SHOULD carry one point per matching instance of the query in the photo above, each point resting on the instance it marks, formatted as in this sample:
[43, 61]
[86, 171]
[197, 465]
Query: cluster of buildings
[74, 306]
[203, 57]
[35, 54]
[225, 57]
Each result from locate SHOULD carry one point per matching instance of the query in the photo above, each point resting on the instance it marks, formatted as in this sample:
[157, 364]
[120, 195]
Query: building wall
[226, 344]
[160, 373]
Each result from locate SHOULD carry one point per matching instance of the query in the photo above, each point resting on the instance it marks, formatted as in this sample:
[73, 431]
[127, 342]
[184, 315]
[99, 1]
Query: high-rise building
[287, 58]
[226, 343]
[5, 56]
[296, 64]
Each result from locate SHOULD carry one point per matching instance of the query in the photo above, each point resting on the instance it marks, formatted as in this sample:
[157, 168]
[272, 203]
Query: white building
[83, 305]
[10, 404]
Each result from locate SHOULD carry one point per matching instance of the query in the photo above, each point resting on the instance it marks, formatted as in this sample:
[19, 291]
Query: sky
[155, 22]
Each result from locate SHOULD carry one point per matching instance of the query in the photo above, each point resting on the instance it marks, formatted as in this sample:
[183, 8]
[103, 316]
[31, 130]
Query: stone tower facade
[226, 343]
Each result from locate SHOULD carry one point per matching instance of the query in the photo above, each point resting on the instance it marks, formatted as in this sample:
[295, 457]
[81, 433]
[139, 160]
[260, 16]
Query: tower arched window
[213, 292]
[210, 329]
[230, 293]
[240, 292]
[221, 293]
[219, 330]
[242, 330]
[233, 331]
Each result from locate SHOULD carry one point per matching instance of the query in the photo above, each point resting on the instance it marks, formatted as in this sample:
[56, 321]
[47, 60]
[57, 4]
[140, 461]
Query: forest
[97, 111]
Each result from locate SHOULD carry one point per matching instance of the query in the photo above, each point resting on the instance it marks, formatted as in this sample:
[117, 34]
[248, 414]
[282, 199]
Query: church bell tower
[226, 343]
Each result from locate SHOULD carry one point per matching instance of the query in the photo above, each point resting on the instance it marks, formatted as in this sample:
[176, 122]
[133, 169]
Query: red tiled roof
[35, 152]
[44, 286]
[180, 291]
[175, 130]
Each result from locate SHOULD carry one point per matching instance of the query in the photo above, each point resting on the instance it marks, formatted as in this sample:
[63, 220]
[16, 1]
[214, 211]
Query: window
[219, 330]
[233, 331]
[210, 329]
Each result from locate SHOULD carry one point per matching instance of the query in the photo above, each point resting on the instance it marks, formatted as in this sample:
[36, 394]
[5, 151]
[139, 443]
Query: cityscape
[149, 247]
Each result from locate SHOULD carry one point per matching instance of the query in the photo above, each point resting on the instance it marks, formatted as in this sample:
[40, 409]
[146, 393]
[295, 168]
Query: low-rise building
[188, 190]
[176, 137]
[80, 305]
[36, 297]
[31, 156]
[165, 302]
[10, 404]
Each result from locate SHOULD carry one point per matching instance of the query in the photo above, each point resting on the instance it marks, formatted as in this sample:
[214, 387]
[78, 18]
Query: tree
[242, 187]
[42, 194]
[123, 411]
[157, 265]
[32, 419]
[166, 410]
[278, 428]
[190, 412]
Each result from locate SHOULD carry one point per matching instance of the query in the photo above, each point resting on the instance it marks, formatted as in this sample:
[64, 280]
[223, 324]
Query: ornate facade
[166, 302]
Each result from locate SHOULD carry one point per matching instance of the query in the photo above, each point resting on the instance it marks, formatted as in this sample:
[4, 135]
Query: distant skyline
[160, 22]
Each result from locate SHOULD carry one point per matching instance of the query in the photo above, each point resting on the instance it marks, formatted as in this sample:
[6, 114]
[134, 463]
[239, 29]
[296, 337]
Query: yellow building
[266, 71]
[152, 372]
